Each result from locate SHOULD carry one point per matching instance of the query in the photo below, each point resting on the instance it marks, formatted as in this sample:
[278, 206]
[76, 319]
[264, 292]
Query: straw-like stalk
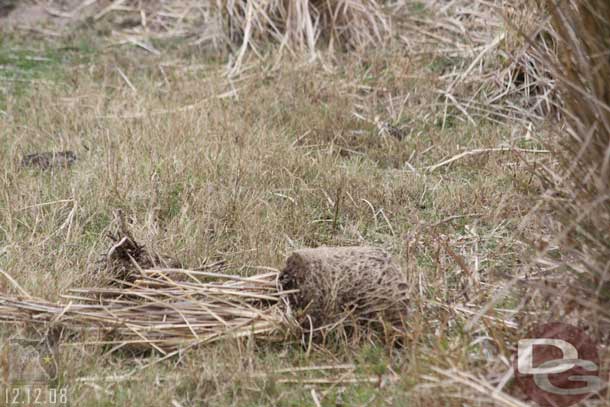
[487, 67]
[580, 184]
[159, 311]
[301, 25]
[167, 309]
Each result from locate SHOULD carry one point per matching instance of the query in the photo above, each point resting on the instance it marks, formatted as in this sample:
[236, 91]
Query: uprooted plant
[171, 309]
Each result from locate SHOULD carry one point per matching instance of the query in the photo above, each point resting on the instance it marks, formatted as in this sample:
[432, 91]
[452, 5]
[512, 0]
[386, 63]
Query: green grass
[24, 64]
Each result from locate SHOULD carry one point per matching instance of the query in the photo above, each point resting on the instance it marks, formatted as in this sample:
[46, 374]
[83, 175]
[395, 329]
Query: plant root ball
[348, 287]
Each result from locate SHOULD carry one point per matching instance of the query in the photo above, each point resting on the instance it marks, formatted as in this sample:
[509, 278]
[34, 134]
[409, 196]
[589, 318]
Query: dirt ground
[37, 14]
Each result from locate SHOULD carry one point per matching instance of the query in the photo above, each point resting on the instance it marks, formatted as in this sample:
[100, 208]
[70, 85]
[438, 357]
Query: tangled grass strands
[156, 311]
[488, 55]
[300, 26]
[159, 312]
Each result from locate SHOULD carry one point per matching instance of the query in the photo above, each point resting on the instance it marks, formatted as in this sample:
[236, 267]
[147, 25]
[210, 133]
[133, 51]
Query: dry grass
[358, 148]
[579, 185]
[159, 311]
[302, 25]
[246, 179]
[487, 66]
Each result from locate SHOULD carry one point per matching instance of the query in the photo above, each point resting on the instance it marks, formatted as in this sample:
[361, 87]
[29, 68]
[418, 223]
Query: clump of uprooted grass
[164, 309]
[579, 185]
[349, 289]
[301, 25]
[126, 257]
[487, 67]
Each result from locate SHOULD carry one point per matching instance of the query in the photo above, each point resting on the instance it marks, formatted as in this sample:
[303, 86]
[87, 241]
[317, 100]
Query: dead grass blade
[579, 182]
[299, 26]
[159, 312]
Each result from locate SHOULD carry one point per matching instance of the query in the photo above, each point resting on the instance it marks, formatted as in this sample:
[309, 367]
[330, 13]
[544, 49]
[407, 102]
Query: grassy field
[351, 149]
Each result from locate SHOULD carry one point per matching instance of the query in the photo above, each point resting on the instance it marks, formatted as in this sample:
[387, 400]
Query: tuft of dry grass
[579, 184]
[303, 25]
[352, 290]
[168, 310]
[483, 54]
